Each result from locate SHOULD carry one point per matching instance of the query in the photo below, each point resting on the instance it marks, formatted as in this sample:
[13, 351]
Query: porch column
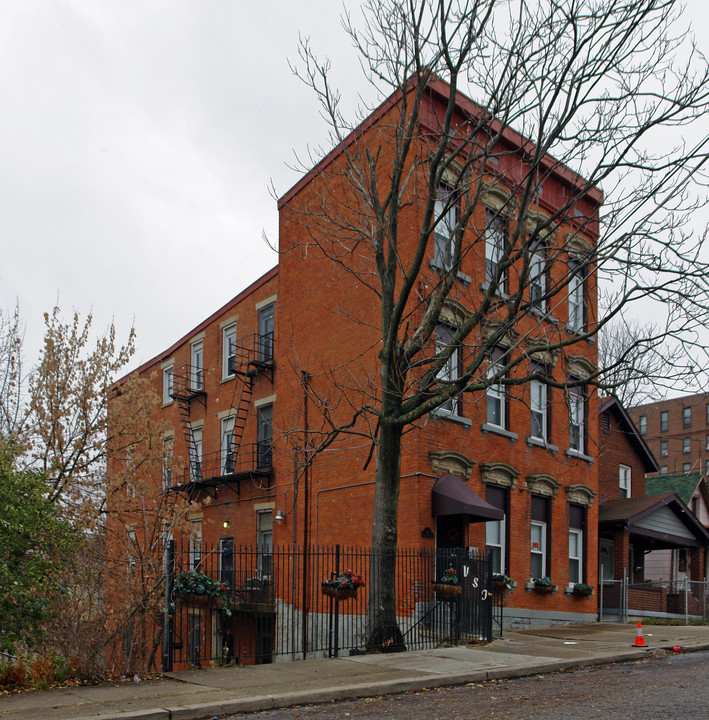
[696, 563]
[621, 554]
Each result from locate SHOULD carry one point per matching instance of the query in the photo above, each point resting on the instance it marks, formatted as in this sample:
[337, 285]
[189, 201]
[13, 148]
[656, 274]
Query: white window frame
[624, 480]
[266, 331]
[664, 452]
[642, 424]
[195, 544]
[663, 470]
[197, 365]
[664, 421]
[686, 467]
[496, 543]
[496, 396]
[168, 384]
[686, 418]
[577, 420]
[229, 351]
[686, 446]
[576, 300]
[541, 551]
[495, 240]
[575, 556]
[264, 542]
[538, 408]
[538, 277]
[445, 219]
[264, 434]
[451, 370]
[227, 460]
[167, 450]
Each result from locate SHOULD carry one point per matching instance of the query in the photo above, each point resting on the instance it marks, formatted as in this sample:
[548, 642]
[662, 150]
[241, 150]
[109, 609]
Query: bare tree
[609, 90]
[65, 425]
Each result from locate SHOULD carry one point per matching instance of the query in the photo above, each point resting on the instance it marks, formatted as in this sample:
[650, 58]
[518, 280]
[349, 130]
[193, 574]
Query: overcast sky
[138, 139]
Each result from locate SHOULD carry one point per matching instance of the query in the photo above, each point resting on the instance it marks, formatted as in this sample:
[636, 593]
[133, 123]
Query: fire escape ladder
[195, 471]
[187, 389]
[242, 407]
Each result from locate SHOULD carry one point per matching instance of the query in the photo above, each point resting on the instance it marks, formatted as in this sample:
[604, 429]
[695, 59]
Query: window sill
[495, 430]
[536, 442]
[168, 403]
[500, 291]
[227, 378]
[579, 455]
[465, 279]
[544, 315]
[444, 414]
[541, 589]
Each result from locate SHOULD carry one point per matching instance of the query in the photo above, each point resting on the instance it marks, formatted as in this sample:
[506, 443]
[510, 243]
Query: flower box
[200, 600]
[447, 590]
[338, 593]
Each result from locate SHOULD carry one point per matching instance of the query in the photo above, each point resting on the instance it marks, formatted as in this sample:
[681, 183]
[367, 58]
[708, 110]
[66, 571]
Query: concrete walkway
[196, 694]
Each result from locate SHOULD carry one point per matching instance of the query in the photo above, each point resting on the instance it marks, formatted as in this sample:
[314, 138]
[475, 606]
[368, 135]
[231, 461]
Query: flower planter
[502, 587]
[199, 600]
[447, 590]
[339, 593]
[544, 588]
[580, 592]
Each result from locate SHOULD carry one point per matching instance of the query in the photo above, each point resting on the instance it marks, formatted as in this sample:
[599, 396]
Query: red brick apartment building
[677, 432]
[252, 391]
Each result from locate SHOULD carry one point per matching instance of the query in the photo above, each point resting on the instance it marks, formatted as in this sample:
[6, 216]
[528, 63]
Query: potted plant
[197, 588]
[503, 583]
[342, 586]
[543, 584]
[448, 585]
[583, 589]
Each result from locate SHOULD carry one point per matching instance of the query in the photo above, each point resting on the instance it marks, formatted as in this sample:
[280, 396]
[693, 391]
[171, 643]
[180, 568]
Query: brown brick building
[252, 391]
[677, 432]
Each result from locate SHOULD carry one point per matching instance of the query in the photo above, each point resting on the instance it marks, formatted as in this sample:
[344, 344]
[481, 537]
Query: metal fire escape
[254, 355]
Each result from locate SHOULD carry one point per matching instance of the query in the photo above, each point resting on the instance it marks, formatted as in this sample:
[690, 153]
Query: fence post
[166, 635]
[624, 594]
[600, 595]
[686, 601]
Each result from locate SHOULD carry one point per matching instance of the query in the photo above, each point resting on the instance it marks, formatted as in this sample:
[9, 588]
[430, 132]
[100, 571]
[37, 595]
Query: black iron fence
[273, 606]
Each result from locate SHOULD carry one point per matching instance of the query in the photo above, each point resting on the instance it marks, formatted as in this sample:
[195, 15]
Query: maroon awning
[451, 496]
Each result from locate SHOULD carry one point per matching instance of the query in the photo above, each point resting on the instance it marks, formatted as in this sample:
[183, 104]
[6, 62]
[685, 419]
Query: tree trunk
[384, 633]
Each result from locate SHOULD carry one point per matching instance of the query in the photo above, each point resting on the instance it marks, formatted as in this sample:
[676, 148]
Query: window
[707, 415]
[539, 405]
[167, 384]
[686, 467]
[264, 542]
[624, 481]
[195, 544]
[576, 297]
[451, 370]
[539, 555]
[446, 216]
[663, 448]
[495, 241]
[663, 421]
[197, 366]
[642, 425]
[538, 276]
[663, 469]
[706, 467]
[196, 455]
[229, 351]
[496, 396]
[577, 419]
[265, 333]
[687, 417]
[226, 561]
[227, 458]
[496, 530]
[686, 446]
[707, 442]
[167, 463]
[264, 436]
[577, 529]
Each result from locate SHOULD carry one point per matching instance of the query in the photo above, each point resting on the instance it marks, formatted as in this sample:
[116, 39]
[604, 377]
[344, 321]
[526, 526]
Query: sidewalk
[196, 694]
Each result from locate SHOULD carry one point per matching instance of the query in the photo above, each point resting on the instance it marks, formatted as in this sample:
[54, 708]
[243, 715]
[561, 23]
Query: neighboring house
[677, 432]
[632, 526]
[692, 489]
[512, 471]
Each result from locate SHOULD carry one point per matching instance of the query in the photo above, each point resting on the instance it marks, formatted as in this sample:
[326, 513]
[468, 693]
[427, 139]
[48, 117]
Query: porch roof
[658, 521]
[451, 496]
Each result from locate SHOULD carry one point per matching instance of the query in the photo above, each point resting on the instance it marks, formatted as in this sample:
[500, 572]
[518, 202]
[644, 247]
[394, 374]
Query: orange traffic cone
[639, 637]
